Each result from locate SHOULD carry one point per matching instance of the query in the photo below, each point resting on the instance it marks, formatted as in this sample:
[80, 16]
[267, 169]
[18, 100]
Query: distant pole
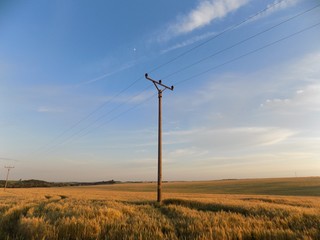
[160, 87]
[8, 168]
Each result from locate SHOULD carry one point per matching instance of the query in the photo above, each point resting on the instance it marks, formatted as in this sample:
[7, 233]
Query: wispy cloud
[129, 99]
[203, 14]
[45, 109]
[270, 161]
[305, 96]
[189, 42]
[108, 74]
[234, 137]
[280, 4]
[230, 122]
[276, 6]
[307, 99]
[8, 159]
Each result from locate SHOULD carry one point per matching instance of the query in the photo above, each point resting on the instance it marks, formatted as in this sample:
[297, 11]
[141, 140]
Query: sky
[75, 106]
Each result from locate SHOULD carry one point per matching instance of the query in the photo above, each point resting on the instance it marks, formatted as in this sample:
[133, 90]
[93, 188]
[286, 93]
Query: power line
[248, 53]
[152, 70]
[70, 138]
[119, 115]
[211, 69]
[218, 35]
[112, 110]
[240, 42]
[104, 123]
[86, 117]
[215, 67]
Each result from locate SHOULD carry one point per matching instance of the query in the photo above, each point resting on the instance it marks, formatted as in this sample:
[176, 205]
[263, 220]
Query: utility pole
[160, 87]
[9, 168]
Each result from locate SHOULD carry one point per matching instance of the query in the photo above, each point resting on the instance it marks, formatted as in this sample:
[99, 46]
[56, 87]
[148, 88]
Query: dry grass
[106, 213]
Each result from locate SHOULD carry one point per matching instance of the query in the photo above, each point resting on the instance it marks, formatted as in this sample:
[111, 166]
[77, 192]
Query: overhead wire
[270, 6]
[211, 69]
[70, 138]
[108, 121]
[154, 69]
[246, 54]
[85, 118]
[240, 42]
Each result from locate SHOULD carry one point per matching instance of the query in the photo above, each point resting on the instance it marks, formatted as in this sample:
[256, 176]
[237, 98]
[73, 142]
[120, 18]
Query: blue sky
[75, 105]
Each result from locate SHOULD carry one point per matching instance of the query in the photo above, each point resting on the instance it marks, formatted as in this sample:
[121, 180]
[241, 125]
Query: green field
[273, 186]
[231, 209]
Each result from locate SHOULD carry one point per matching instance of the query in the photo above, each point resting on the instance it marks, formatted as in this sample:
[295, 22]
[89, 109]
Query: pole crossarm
[156, 83]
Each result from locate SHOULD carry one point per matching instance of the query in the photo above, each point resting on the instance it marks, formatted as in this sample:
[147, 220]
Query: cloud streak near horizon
[8, 159]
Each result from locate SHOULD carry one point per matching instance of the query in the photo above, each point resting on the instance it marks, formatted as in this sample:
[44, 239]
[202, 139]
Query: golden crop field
[187, 212]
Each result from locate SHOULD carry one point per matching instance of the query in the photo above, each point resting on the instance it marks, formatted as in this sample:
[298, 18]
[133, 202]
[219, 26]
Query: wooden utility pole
[160, 87]
[9, 168]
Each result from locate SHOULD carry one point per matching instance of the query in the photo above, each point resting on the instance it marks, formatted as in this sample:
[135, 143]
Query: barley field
[190, 210]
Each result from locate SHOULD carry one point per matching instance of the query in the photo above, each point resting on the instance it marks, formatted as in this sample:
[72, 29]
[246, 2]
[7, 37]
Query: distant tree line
[39, 183]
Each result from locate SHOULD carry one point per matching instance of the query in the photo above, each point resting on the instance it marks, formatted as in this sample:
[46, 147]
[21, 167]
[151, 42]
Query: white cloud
[206, 12]
[293, 87]
[307, 99]
[276, 101]
[300, 82]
